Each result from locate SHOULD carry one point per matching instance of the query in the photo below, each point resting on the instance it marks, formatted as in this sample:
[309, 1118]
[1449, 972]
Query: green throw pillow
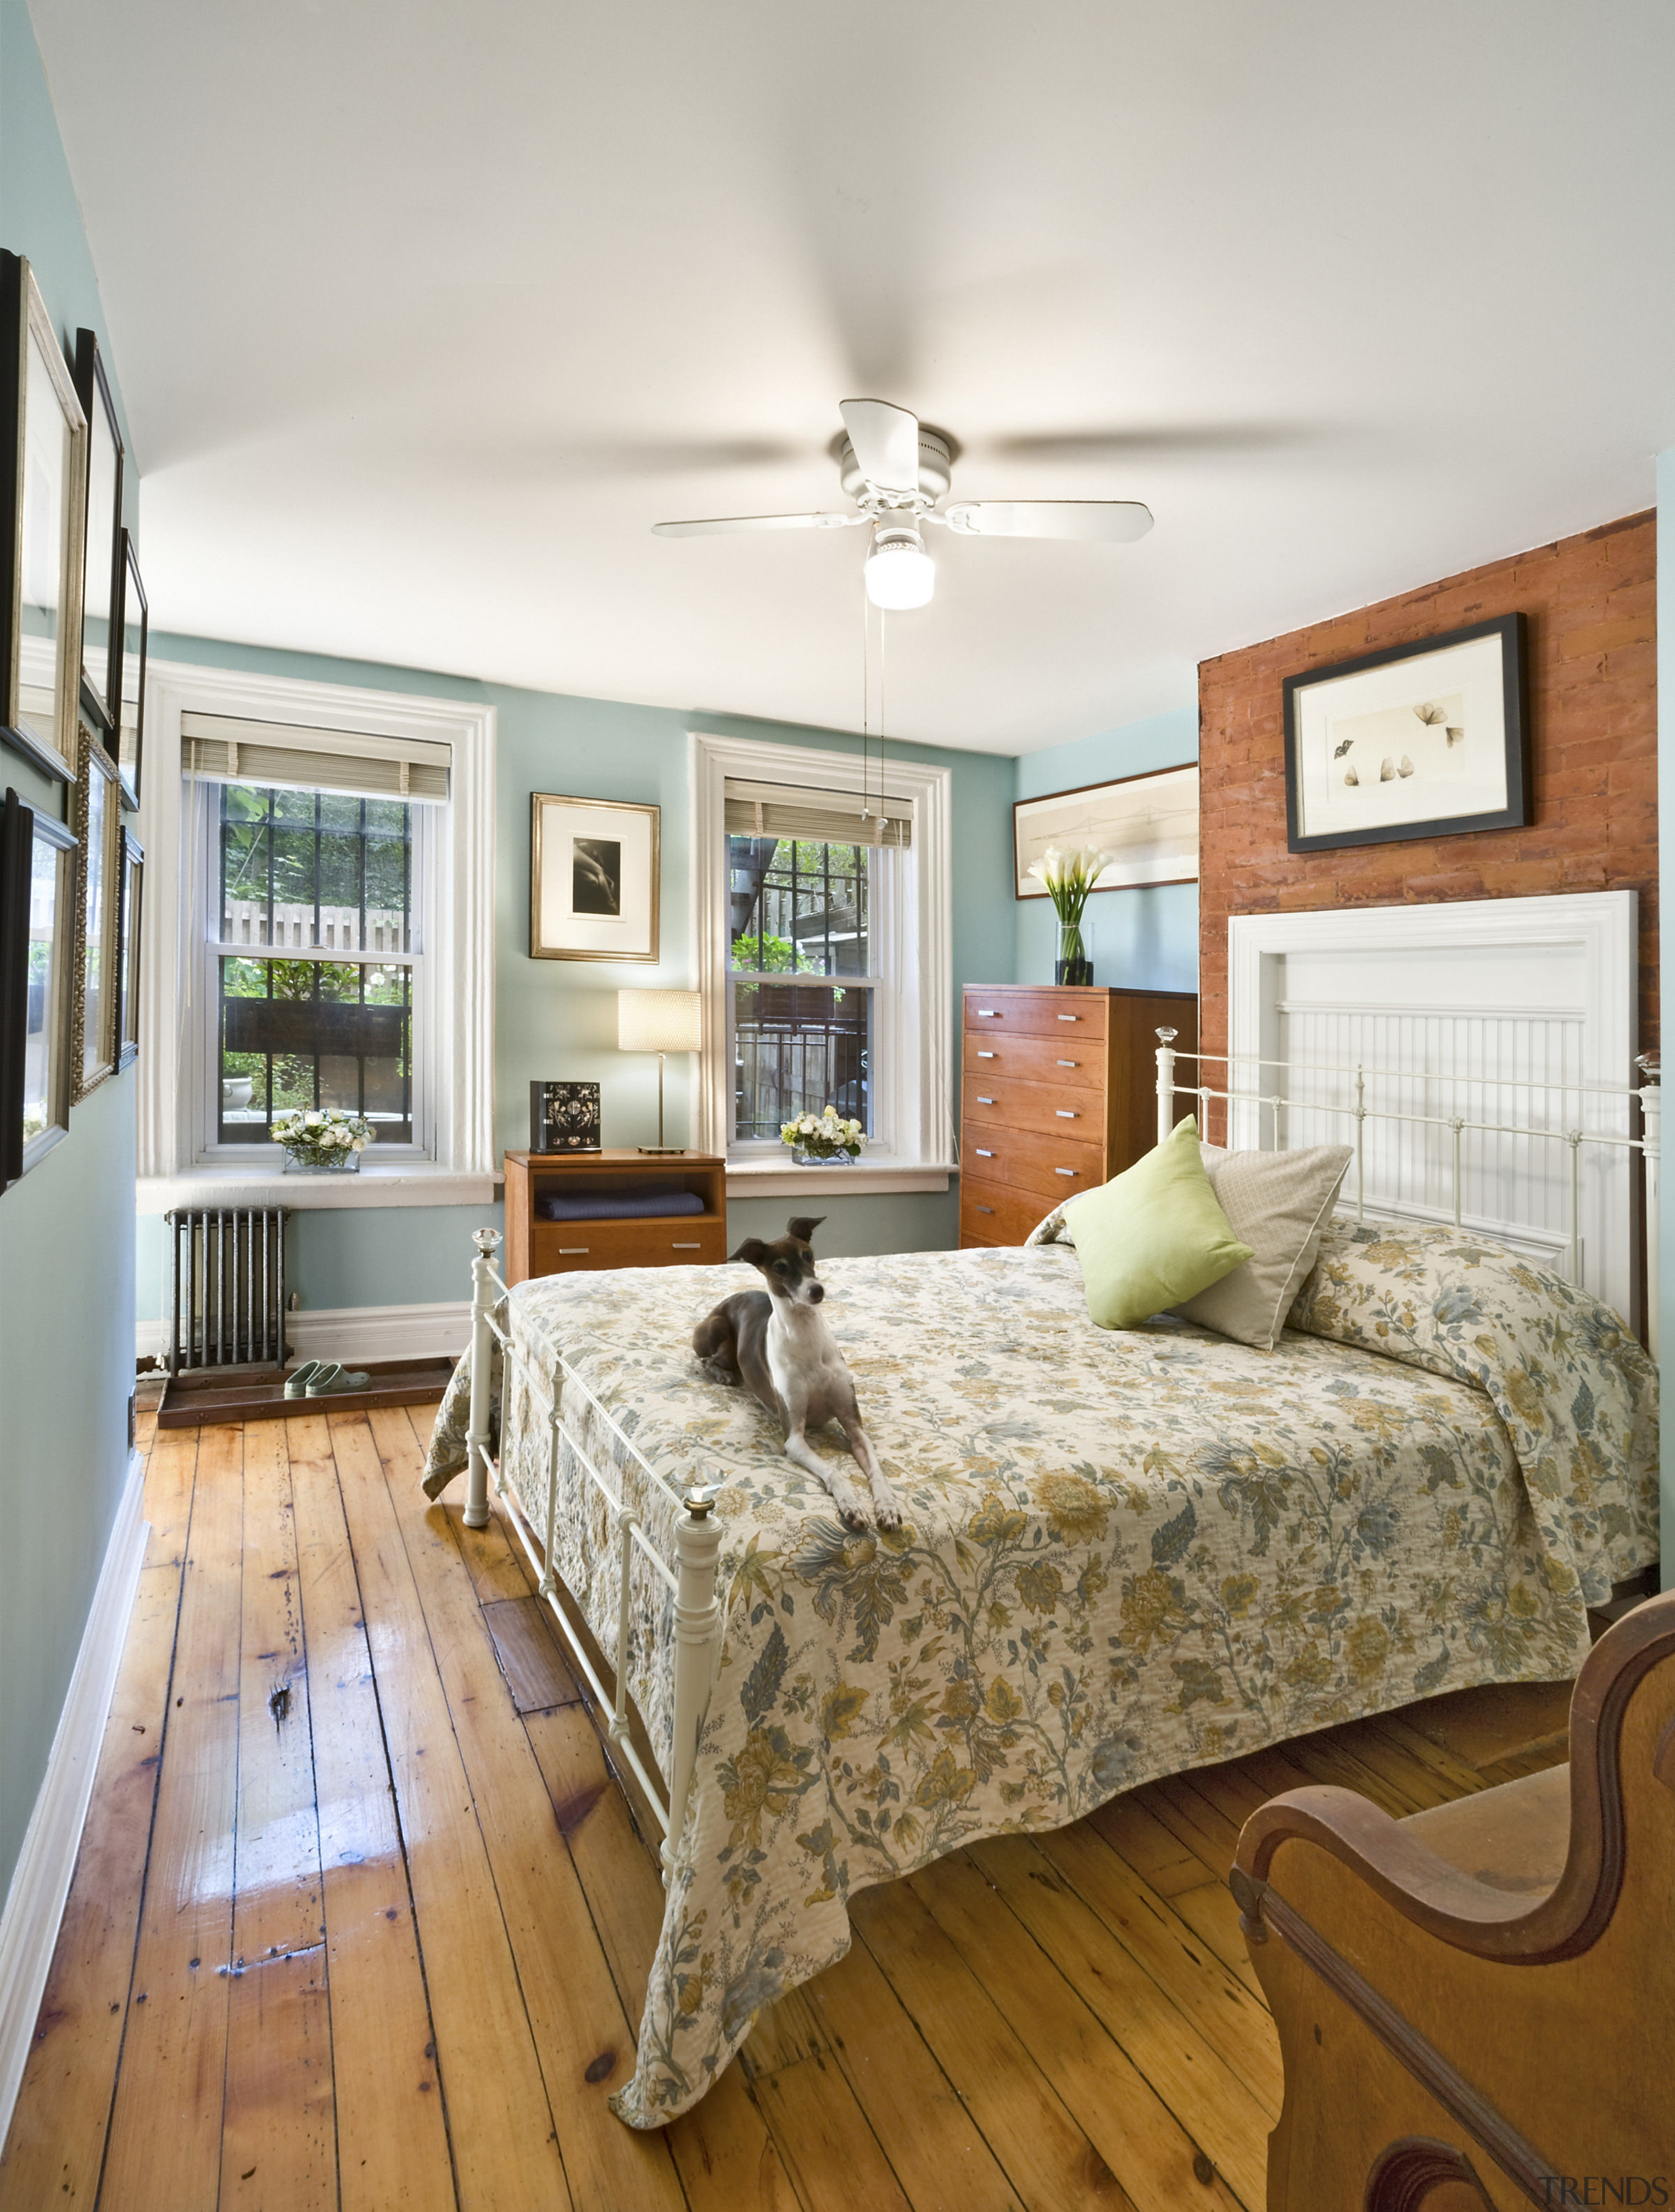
[1153, 1236]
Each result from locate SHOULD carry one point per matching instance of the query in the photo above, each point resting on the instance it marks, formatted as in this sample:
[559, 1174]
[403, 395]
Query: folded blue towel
[661, 1200]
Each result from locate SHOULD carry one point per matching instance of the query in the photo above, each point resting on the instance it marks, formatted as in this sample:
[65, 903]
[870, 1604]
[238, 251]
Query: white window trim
[914, 1112]
[170, 1115]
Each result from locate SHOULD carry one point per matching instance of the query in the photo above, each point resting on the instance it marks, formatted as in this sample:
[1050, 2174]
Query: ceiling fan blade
[714, 524]
[886, 443]
[1109, 521]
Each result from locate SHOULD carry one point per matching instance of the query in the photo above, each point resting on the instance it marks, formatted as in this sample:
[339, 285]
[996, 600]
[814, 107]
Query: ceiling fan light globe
[899, 573]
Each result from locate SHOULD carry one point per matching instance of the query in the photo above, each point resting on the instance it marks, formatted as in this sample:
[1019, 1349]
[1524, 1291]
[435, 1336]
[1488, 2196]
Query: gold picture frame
[594, 870]
[95, 980]
[44, 490]
[127, 965]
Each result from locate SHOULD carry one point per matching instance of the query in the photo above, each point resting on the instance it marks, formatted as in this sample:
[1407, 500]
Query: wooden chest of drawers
[1058, 1093]
[536, 1246]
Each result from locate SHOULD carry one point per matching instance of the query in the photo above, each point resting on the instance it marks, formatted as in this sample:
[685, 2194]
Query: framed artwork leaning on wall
[38, 876]
[94, 981]
[593, 879]
[1430, 740]
[43, 500]
[1148, 823]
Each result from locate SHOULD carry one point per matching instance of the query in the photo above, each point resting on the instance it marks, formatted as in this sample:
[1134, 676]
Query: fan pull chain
[869, 812]
[867, 687]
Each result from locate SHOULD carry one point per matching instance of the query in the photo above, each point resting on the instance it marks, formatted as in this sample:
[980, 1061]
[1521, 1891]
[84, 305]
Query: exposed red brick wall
[1592, 701]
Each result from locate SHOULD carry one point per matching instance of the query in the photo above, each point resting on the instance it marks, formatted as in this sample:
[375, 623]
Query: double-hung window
[822, 951]
[318, 859]
[806, 986]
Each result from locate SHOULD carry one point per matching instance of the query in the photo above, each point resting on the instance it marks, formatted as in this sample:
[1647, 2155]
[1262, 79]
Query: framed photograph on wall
[42, 502]
[1148, 824]
[128, 683]
[1425, 740]
[128, 956]
[37, 942]
[593, 879]
[102, 566]
[95, 982]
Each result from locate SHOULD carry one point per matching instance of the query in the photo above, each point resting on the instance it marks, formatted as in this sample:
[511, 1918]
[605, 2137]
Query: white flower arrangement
[1068, 878]
[322, 1136]
[826, 1136]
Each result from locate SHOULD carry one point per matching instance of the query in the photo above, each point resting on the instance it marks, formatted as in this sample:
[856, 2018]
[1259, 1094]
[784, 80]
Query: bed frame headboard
[1526, 1160]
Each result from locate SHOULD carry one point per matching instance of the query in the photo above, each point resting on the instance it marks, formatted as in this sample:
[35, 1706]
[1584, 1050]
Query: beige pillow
[1278, 1203]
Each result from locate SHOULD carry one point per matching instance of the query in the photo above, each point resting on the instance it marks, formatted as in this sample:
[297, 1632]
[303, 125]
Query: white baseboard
[40, 1883]
[352, 1333]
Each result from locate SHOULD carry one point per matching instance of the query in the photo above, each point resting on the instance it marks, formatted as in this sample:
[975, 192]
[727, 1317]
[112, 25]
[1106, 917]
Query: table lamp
[660, 1022]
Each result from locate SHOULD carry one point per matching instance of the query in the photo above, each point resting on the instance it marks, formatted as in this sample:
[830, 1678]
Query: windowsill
[406, 1182]
[776, 1178]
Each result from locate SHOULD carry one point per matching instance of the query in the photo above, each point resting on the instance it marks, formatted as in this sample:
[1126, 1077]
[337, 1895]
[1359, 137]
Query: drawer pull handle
[982, 1100]
[984, 1056]
[572, 1251]
[678, 1247]
[981, 1154]
[1065, 1115]
[1069, 1063]
[1065, 1171]
[1070, 1018]
[989, 1013]
[986, 1209]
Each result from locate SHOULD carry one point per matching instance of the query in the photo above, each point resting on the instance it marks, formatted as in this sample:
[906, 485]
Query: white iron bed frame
[691, 1576]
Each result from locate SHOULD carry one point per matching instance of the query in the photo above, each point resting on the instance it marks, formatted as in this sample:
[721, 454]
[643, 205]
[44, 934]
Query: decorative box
[564, 1117]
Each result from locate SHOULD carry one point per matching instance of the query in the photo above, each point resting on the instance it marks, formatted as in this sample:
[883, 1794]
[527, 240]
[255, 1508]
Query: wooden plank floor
[362, 1920]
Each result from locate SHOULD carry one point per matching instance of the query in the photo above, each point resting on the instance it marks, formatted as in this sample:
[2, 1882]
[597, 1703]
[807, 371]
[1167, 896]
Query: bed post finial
[476, 1431]
[1165, 1083]
[697, 1644]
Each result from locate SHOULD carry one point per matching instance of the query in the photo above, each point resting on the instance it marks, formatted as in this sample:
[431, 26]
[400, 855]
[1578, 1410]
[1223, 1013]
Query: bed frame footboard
[690, 1579]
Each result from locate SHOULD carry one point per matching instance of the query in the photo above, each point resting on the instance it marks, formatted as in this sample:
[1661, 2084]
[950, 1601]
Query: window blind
[229, 749]
[826, 817]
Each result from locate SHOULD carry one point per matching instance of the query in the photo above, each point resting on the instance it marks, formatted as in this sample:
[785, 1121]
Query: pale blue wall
[558, 1019]
[1666, 892]
[1146, 940]
[67, 1230]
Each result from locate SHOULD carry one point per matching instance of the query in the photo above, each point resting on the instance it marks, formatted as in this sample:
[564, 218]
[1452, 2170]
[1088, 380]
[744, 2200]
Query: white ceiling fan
[896, 470]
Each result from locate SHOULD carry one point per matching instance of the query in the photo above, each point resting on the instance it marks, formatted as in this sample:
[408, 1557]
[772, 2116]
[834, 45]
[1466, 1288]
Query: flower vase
[804, 1159]
[1071, 963]
[335, 1159]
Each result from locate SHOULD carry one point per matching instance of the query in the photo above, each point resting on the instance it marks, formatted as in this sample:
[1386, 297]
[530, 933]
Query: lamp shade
[659, 1021]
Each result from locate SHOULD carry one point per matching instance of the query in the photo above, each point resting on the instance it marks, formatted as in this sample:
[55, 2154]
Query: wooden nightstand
[536, 1246]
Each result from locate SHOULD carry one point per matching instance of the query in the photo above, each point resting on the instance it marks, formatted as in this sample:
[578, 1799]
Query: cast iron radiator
[228, 1306]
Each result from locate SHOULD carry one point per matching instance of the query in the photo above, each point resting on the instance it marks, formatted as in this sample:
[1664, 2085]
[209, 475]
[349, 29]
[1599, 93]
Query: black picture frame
[131, 642]
[97, 968]
[130, 922]
[33, 1006]
[564, 1117]
[101, 564]
[39, 682]
[1519, 809]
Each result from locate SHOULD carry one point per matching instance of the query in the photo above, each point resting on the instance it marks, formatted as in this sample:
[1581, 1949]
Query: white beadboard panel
[1514, 1018]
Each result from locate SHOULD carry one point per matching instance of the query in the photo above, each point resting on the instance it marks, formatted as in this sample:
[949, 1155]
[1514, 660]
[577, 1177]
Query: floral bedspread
[1124, 1553]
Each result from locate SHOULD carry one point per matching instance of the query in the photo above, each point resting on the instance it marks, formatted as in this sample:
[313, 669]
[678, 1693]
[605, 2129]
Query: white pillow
[1278, 1203]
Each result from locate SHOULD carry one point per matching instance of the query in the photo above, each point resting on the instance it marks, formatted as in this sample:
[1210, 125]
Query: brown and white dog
[778, 1345]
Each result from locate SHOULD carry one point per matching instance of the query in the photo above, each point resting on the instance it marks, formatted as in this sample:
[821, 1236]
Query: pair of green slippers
[323, 1378]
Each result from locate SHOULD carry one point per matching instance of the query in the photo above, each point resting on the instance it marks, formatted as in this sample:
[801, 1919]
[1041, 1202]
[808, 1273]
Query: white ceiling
[424, 313]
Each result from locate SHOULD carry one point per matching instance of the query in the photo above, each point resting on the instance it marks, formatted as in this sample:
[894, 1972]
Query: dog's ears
[752, 1251]
[803, 1226]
